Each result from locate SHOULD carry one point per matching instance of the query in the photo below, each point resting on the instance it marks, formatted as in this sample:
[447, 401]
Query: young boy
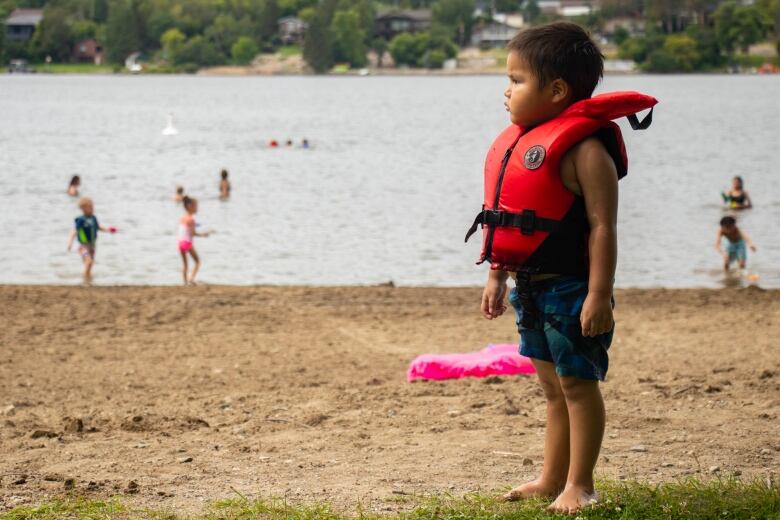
[86, 230]
[735, 243]
[549, 220]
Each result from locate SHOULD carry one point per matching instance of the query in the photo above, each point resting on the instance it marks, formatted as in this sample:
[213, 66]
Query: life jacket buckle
[528, 222]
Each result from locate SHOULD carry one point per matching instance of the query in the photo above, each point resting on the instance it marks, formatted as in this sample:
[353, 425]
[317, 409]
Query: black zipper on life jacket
[499, 182]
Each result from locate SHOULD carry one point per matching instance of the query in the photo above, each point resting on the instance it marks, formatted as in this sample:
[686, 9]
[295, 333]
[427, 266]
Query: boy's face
[526, 102]
[86, 207]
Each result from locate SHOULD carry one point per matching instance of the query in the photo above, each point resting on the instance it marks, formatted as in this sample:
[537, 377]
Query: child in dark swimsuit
[86, 230]
[737, 197]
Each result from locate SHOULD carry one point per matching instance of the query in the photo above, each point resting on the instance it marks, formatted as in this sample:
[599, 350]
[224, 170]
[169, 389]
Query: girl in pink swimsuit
[185, 237]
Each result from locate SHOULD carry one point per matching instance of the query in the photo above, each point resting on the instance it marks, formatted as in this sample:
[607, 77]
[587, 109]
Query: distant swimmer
[86, 230]
[737, 197]
[73, 187]
[186, 237]
[224, 185]
[735, 240]
[288, 143]
[273, 143]
[305, 143]
[179, 194]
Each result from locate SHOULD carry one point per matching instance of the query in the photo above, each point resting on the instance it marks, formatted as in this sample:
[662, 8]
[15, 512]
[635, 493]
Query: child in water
[224, 186]
[735, 243]
[86, 229]
[179, 194]
[737, 197]
[73, 187]
[185, 240]
[563, 300]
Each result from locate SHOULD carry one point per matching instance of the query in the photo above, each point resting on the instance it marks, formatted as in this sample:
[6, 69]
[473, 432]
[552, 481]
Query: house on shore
[21, 24]
[390, 23]
[292, 29]
[493, 34]
[89, 51]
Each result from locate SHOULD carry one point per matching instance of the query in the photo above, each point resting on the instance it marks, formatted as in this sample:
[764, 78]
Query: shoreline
[300, 392]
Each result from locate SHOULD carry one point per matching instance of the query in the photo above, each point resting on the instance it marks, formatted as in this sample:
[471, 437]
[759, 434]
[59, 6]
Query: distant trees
[425, 49]
[244, 50]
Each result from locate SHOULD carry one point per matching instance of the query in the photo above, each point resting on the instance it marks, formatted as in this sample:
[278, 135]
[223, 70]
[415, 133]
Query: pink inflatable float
[494, 360]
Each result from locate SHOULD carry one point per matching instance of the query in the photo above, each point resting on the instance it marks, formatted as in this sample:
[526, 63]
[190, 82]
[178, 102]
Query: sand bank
[300, 392]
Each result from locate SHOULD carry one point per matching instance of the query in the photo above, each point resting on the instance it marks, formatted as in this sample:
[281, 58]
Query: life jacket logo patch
[534, 157]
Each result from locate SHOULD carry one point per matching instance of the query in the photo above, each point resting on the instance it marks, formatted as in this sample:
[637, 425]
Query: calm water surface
[387, 192]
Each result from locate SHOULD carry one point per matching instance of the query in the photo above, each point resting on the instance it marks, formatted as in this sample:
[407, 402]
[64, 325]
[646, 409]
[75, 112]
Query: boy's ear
[560, 90]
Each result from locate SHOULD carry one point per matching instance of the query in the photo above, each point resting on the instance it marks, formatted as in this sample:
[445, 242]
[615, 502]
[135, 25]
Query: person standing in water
[73, 187]
[736, 241]
[186, 236]
[737, 197]
[86, 230]
[179, 197]
[224, 186]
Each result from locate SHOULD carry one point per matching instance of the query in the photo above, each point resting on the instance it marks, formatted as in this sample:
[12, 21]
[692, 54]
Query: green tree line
[684, 35]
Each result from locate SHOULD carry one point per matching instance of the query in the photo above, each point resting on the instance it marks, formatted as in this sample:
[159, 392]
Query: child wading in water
[551, 198]
[224, 185]
[735, 240]
[86, 230]
[187, 234]
[737, 197]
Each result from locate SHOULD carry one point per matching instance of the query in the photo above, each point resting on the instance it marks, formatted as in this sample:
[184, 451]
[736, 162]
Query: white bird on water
[169, 128]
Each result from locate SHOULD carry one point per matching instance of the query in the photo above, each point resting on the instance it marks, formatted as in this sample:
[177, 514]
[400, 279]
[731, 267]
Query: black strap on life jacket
[636, 124]
[527, 221]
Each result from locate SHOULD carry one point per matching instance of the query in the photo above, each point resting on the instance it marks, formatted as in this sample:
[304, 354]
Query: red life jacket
[530, 220]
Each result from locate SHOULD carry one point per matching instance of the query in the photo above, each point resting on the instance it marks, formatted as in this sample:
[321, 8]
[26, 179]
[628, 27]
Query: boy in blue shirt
[86, 229]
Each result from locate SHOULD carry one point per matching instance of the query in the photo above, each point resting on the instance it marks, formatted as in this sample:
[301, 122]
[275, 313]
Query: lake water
[387, 192]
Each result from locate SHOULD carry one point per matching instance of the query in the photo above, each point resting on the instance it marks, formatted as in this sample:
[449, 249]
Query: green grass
[692, 499]
[289, 50]
[74, 68]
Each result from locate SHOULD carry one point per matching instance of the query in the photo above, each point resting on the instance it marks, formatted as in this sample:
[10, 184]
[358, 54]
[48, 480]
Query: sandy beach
[177, 396]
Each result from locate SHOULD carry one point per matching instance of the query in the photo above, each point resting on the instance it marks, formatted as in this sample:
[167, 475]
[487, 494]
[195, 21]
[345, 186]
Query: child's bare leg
[556, 439]
[88, 262]
[184, 262]
[196, 266]
[586, 419]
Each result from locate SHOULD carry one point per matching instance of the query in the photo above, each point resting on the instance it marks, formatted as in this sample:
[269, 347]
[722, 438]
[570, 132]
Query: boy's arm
[747, 239]
[598, 180]
[718, 240]
[71, 236]
[493, 304]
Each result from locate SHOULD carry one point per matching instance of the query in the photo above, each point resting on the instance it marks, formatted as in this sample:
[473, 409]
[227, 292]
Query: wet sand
[177, 396]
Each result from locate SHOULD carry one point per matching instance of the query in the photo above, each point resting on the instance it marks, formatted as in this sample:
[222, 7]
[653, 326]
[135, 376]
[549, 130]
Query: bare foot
[535, 488]
[573, 499]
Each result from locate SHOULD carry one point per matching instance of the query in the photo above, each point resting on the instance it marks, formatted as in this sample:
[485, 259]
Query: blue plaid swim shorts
[554, 334]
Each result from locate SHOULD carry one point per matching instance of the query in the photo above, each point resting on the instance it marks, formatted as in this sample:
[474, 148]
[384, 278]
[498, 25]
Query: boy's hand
[596, 316]
[493, 304]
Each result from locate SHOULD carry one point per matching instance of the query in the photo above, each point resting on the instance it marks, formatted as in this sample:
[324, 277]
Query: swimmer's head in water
[736, 183]
[179, 190]
[190, 204]
[224, 174]
[85, 204]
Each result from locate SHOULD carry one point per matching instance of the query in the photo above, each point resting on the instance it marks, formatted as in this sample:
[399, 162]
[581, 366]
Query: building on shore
[21, 24]
[89, 51]
[390, 23]
[493, 34]
[291, 29]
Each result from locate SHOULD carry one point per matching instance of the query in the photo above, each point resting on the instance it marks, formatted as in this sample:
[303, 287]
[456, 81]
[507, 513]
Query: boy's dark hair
[561, 50]
[224, 174]
[728, 221]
